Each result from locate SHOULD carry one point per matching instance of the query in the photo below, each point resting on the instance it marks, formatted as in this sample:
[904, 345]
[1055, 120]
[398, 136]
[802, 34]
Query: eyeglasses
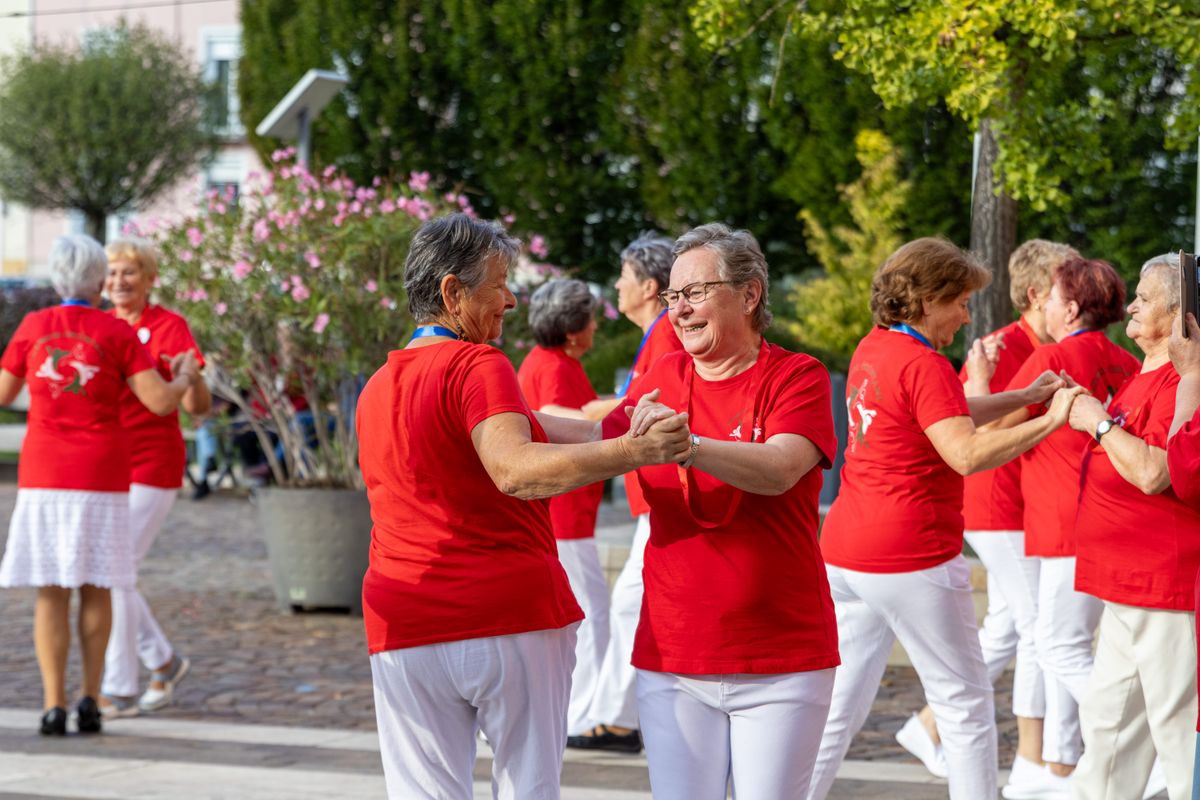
[694, 293]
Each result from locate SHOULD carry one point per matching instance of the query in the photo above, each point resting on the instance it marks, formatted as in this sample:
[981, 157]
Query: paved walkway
[280, 705]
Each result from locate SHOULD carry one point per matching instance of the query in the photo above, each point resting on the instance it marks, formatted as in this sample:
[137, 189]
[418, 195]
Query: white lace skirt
[63, 537]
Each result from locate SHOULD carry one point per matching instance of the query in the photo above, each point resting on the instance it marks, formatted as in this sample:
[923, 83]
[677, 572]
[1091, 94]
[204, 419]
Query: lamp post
[292, 117]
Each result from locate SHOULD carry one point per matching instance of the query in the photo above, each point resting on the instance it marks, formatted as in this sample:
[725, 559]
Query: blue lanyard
[629, 378]
[913, 332]
[71, 301]
[1078, 332]
[433, 330]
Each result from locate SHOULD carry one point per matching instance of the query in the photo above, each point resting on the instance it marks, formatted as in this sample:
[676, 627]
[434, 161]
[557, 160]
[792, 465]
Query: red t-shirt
[899, 508]
[1050, 471]
[992, 498]
[663, 339]
[1157, 567]
[452, 557]
[158, 453]
[548, 376]
[1183, 462]
[748, 596]
[75, 360]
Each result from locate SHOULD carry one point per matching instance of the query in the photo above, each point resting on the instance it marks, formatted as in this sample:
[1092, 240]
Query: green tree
[830, 313]
[101, 128]
[1001, 66]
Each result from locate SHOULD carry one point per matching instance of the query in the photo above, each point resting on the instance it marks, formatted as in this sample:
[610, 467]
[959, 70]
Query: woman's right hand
[667, 441]
[1060, 407]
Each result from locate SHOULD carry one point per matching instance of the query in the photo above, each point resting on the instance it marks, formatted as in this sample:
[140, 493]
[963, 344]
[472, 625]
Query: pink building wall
[210, 31]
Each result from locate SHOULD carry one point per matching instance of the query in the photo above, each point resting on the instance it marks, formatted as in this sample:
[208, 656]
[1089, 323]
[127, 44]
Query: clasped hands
[185, 364]
[657, 434]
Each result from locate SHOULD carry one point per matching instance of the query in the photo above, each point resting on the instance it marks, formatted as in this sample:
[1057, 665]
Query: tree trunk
[993, 238]
[96, 225]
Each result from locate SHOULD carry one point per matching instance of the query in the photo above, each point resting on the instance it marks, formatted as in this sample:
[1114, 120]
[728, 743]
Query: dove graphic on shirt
[49, 367]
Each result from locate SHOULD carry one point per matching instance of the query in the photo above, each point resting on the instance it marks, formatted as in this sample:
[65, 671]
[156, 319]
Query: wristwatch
[687, 463]
[1104, 427]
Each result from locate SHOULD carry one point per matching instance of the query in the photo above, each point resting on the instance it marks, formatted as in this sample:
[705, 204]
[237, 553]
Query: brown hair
[1096, 287]
[1032, 266]
[924, 269]
[135, 251]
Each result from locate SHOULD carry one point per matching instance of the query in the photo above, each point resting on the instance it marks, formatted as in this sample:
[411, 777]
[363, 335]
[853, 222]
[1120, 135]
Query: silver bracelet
[691, 459]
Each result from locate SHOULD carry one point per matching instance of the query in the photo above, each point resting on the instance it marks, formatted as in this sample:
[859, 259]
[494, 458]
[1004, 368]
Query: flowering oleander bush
[294, 292]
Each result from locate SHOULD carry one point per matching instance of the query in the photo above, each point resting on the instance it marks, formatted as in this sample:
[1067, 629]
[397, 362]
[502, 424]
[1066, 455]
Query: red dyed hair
[1096, 287]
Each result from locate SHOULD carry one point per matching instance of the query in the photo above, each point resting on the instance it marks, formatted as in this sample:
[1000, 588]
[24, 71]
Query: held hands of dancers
[1060, 407]
[657, 435]
[185, 364]
[1087, 413]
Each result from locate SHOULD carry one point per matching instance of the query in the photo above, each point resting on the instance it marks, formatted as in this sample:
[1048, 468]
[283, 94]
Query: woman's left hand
[1086, 413]
[982, 359]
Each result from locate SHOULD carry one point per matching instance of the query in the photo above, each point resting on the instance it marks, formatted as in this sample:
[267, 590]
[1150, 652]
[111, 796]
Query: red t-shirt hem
[878, 567]
[1092, 578]
[459, 636]
[751, 666]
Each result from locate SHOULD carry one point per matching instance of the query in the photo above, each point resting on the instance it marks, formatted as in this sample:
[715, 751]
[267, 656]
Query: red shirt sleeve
[16, 355]
[934, 390]
[1183, 461]
[489, 387]
[803, 406]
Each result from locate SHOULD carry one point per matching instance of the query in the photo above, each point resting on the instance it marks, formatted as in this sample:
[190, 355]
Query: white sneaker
[915, 739]
[1029, 781]
[1157, 783]
[154, 699]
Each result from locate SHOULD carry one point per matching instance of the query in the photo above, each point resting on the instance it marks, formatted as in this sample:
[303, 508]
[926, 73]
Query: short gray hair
[739, 260]
[452, 245]
[650, 256]
[558, 308]
[78, 266]
[1162, 264]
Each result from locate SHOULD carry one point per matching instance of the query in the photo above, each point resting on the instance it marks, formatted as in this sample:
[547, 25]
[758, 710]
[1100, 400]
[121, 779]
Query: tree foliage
[100, 128]
[830, 313]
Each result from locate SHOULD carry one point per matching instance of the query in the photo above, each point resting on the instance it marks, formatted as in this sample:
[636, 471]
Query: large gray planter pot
[318, 542]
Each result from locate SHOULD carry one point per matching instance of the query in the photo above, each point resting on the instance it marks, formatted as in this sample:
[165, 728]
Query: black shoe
[88, 716]
[54, 722]
[602, 737]
[202, 490]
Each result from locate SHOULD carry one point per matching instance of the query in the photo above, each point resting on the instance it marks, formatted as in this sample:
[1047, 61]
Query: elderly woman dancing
[1086, 297]
[158, 458]
[469, 615]
[736, 646]
[1141, 697]
[893, 539]
[70, 527]
[562, 314]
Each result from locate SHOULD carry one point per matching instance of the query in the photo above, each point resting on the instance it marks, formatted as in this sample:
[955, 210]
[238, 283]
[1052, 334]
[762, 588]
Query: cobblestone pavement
[208, 582]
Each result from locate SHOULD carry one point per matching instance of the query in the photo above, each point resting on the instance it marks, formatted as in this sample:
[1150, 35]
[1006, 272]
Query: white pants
[581, 562]
[1141, 701]
[615, 700]
[1008, 628]
[1065, 628]
[761, 731]
[930, 611]
[430, 701]
[136, 635]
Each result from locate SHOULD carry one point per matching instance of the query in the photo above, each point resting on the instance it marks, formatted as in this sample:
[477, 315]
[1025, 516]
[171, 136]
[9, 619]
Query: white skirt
[65, 537]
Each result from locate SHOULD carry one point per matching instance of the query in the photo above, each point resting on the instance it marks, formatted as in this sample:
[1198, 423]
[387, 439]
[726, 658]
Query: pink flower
[262, 230]
[197, 295]
[387, 206]
[320, 204]
[195, 237]
[320, 323]
[283, 154]
[537, 246]
[328, 171]
[388, 303]
[508, 220]
[242, 269]
[610, 311]
[300, 292]
[220, 309]
[313, 259]
[371, 286]
[186, 255]
[418, 181]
